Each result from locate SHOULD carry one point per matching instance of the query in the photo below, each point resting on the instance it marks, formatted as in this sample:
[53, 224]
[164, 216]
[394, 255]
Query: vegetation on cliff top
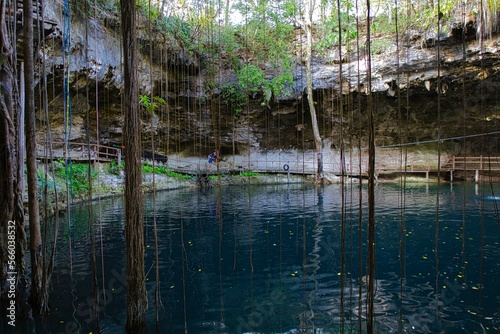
[260, 39]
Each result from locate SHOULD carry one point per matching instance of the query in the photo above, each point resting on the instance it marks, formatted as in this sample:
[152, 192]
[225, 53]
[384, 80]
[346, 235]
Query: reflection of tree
[314, 258]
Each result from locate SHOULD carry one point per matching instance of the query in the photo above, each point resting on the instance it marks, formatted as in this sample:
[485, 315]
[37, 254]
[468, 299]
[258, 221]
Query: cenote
[268, 259]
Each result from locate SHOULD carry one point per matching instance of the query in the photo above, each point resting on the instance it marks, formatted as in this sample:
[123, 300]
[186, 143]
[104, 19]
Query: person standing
[210, 160]
[216, 156]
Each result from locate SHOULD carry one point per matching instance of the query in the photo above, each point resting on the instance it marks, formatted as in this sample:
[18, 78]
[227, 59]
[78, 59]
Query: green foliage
[115, 168]
[77, 176]
[162, 170]
[328, 28]
[249, 174]
[251, 79]
[227, 46]
[381, 44]
[149, 105]
[281, 83]
[233, 96]
[147, 9]
[178, 29]
[44, 181]
[92, 8]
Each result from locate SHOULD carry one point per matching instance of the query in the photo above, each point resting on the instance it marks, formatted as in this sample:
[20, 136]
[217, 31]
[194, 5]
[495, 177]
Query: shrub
[77, 176]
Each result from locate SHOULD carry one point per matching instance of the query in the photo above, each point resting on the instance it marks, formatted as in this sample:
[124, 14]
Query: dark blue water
[284, 259]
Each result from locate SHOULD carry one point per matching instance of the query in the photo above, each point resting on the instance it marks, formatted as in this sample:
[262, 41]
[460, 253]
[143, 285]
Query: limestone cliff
[404, 85]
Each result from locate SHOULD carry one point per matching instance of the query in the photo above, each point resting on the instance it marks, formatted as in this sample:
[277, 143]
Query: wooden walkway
[303, 165]
[450, 166]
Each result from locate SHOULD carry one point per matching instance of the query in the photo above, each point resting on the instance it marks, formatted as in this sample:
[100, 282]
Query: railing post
[119, 156]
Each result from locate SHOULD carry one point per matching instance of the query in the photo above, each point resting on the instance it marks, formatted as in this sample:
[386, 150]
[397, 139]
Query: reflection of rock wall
[197, 119]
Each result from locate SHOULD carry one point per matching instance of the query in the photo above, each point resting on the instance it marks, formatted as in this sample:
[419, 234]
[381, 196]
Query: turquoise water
[268, 259]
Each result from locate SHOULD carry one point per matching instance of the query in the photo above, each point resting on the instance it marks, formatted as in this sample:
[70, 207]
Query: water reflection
[269, 260]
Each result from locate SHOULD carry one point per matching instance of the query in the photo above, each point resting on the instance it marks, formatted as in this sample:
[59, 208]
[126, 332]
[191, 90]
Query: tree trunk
[226, 13]
[7, 147]
[11, 206]
[39, 293]
[134, 234]
[307, 26]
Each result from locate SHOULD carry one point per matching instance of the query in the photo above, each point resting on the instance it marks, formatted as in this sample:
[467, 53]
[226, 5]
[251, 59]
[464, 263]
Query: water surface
[290, 258]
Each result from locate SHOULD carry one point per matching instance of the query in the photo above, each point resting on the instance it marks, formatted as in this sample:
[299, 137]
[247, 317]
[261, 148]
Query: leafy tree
[304, 18]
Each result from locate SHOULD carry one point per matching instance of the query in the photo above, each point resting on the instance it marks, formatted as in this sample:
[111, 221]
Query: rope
[94, 283]
[464, 197]
[155, 226]
[360, 192]
[436, 231]
[66, 53]
[439, 140]
[352, 186]
[66, 47]
[98, 141]
[371, 185]
[482, 113]
[342, 169]
[402, 193]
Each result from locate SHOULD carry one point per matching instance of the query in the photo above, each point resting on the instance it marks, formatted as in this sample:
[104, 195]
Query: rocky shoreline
[109, 180]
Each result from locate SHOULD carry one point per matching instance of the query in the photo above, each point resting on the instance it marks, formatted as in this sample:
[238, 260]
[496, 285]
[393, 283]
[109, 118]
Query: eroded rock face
[407, 105]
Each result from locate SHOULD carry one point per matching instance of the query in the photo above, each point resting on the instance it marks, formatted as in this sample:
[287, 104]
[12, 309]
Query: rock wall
[407, 105]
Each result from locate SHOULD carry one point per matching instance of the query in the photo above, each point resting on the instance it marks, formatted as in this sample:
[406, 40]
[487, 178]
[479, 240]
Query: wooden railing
[81, 151]
[473, 163]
